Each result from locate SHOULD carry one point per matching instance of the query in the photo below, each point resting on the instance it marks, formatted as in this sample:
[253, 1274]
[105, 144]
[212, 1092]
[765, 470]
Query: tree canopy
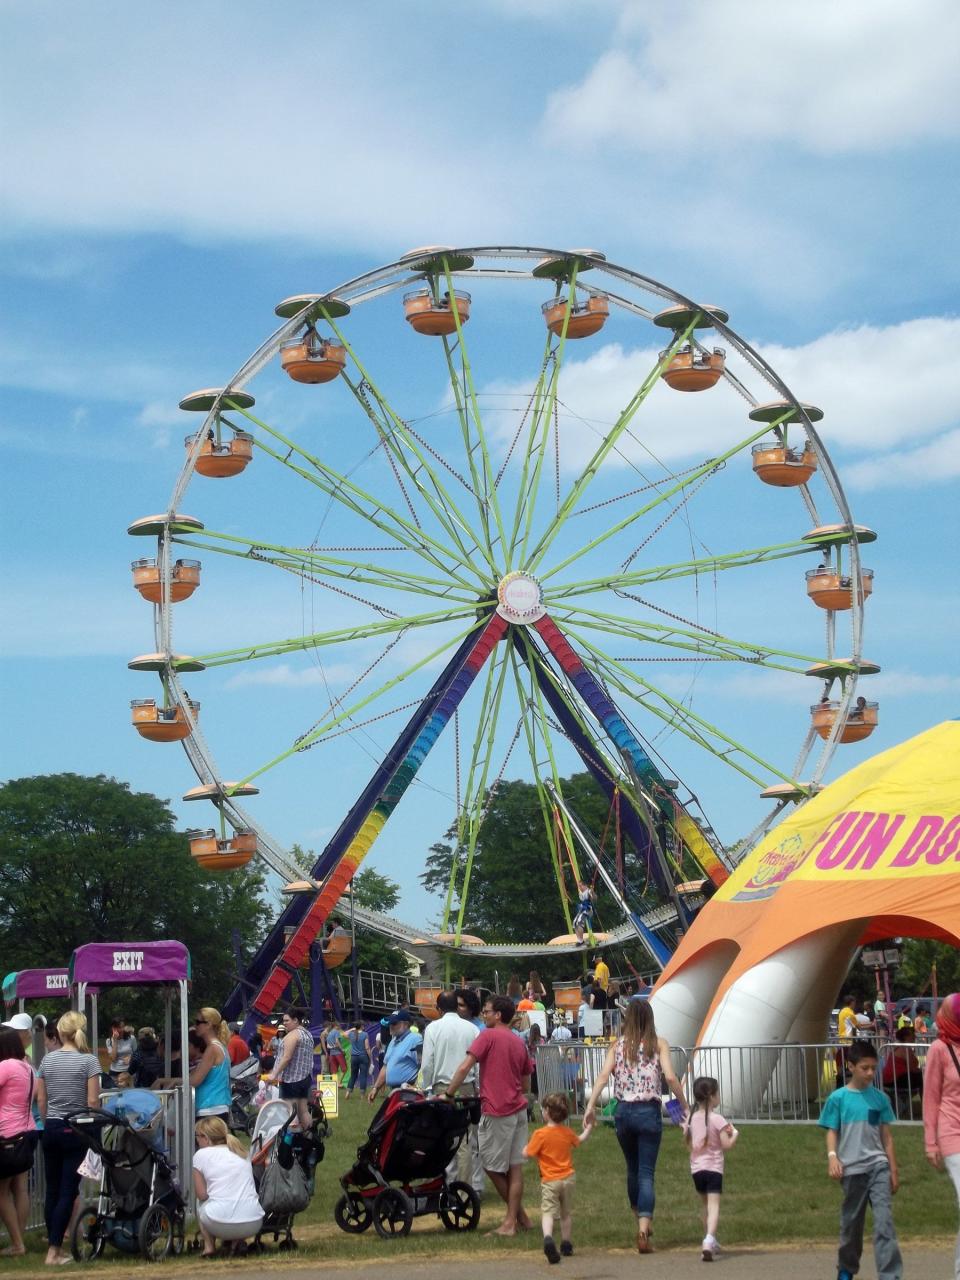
[514, 895]
[85, 859]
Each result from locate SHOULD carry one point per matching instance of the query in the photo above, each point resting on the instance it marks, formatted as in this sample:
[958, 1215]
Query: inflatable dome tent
[874, 855]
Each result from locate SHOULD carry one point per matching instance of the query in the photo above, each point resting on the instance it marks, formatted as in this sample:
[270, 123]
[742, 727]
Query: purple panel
[130, 964]
[40, 984]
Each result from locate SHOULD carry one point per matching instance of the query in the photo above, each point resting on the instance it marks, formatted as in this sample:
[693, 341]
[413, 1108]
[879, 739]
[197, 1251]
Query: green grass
[777, 1191]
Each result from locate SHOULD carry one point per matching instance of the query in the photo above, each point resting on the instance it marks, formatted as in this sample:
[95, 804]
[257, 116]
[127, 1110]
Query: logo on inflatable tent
[772, 869]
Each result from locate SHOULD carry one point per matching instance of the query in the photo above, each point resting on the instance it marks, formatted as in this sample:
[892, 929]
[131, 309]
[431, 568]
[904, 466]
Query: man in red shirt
[504, 1083]
[237, 1048]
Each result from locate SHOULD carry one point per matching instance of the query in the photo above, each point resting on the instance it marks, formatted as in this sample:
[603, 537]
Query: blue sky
[170, 175]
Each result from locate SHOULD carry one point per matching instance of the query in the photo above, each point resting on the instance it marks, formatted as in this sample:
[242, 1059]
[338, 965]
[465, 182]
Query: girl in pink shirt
[941, 1099]
[709, 1137]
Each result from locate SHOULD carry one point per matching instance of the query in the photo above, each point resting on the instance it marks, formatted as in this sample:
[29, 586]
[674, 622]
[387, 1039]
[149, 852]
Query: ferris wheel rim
[393, 277]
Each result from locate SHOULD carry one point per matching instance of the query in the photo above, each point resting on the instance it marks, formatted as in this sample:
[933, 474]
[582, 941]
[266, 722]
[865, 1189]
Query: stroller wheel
[352, 1214]
[392, 1213]
[86, 1239]
[177, 1239]
[156, 1232]
[459, 1207]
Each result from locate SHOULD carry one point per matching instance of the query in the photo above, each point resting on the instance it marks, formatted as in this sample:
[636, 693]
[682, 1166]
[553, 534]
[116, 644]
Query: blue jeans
[639, 1128]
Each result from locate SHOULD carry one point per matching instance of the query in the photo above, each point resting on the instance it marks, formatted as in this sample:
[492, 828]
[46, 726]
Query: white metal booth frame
[98, 965]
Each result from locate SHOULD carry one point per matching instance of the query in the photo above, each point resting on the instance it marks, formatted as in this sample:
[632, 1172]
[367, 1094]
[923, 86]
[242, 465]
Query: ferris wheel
[437, 505]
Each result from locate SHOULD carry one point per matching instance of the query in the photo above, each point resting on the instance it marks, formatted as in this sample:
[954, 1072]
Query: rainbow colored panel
[592, 693]
[299, 944]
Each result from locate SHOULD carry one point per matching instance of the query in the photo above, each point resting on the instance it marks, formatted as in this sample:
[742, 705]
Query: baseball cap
[20, 1022]
[400, 1015]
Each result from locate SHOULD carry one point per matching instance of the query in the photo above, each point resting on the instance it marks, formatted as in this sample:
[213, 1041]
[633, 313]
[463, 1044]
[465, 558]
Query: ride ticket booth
[97, 965]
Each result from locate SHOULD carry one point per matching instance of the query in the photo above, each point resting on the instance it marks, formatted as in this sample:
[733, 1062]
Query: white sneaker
[709, 1249]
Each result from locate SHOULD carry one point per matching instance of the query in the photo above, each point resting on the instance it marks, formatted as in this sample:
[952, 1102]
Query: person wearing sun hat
[22, 1023]
[941, 1099]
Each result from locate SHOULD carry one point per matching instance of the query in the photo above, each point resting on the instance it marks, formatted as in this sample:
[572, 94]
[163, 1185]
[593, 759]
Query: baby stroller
[138, 1208]
[411, 1140]
[284, 1160]
[244, 1082]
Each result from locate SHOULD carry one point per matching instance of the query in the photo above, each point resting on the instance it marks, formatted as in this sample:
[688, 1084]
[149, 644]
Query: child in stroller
[139, 1207]
[411, 1140]
[284, 1160]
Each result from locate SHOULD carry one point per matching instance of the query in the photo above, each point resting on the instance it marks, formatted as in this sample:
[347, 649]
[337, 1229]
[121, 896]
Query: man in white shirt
[445, 1045]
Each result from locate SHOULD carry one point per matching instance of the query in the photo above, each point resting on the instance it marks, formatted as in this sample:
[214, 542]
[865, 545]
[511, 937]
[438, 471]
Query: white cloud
[285, 676]
[209, 122]
[935, 463]
[878, 387]
[910, 684]
[864, 75]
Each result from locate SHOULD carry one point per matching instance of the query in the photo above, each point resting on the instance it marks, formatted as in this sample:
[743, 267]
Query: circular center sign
[519, 598]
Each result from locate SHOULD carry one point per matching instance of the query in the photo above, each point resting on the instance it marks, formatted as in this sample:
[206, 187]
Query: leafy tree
[513, 894]
[85, 859]
[919, 957]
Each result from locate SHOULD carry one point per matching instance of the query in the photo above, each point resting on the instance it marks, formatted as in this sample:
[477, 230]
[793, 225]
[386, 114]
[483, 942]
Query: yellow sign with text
[329, 1095]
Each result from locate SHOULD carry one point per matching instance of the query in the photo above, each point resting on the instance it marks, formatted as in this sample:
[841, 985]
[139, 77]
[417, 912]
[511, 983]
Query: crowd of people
[483, 1046]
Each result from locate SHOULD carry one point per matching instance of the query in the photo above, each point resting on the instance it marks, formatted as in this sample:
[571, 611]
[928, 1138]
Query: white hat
[20, 1022]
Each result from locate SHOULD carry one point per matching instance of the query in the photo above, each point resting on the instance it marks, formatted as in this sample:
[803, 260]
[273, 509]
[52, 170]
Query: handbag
[16, 1152]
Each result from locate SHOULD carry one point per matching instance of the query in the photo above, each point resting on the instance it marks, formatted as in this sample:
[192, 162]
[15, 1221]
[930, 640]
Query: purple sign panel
[130, 964]
[39, 984]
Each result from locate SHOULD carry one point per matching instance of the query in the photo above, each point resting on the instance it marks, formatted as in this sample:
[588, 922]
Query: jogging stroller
[284, 1160]
[410, 1142]
[139, 1208]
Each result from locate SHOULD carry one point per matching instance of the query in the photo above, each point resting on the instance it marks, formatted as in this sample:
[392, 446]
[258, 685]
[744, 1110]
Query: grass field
[777, 1191]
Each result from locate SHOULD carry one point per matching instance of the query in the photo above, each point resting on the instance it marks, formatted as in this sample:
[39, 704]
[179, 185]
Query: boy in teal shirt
[860, 1154]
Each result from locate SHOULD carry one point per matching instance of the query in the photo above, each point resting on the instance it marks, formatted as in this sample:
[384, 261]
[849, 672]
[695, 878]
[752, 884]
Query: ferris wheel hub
[520, 598]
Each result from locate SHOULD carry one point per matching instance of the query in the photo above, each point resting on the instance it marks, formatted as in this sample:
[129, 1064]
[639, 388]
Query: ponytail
[705, 1089]
[213, 1019]
[218, 1135]
[71, 1029]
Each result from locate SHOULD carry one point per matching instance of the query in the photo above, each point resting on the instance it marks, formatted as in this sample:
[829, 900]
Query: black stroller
[139, 1208]
[410, 1142]
[284, 1161]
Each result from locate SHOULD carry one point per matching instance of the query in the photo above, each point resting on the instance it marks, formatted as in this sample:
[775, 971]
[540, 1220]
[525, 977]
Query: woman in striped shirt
[293, 1070]
[68, 1080]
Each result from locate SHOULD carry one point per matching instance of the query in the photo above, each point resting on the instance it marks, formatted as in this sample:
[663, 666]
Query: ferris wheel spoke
[465, 397]
[698, 640]
[531, 719]
[680, 569]
[580, 486]
[672, 712]
[392, 429]
[315, 734]
[542, 423]
[477, 811]
[469, 795]
[322, 639]
[684, 483]
[353, 498]
[535, 443]
[304, 560]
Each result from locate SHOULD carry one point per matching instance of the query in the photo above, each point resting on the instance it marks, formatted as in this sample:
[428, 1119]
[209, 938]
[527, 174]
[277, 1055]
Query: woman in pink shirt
[16, 1117]
[941, 1099]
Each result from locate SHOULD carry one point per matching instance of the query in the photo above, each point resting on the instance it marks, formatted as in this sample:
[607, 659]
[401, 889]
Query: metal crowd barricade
[759, 1084]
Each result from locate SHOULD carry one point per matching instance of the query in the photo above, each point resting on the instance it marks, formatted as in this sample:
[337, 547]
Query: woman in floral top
[640, 1064]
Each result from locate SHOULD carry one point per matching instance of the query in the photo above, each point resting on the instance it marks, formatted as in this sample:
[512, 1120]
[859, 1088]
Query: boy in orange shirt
[552, 1147]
